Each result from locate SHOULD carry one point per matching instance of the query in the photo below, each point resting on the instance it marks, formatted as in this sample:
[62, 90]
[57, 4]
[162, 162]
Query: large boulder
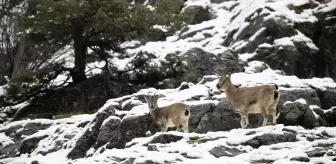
[108, 131]
[89, 137]
[297, 113]
[277, 42]
[220, 117]
[327, 97]
[268, 139]
[220, 151]
[330, 116]
[165, 138]
[292, 94]
[287, 55]
[197, 111]
[131, 127]
[29, 144]
[257, 30]
[129, 104]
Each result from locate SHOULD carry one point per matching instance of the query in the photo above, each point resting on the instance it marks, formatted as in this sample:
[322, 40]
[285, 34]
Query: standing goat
[261, 99]
[176, 114]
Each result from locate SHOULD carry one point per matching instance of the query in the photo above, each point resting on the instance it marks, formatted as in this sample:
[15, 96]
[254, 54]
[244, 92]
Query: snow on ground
[269, 76]
[199, 93]
[188, 150]
[234, 138]
[5, 140]
[184, 151]
[3, 89]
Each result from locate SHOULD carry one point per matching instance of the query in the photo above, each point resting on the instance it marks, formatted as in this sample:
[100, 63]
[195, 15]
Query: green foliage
[194, 138]
[114, 21]
[27, 84]
[17, 115]
[169, 14]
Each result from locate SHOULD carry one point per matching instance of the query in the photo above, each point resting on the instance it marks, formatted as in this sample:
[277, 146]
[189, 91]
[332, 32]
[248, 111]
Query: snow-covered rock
[297, 113]
[277, 144]
[236, 32]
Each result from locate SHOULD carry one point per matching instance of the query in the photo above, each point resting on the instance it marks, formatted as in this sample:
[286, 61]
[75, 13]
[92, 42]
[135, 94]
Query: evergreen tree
[102, 24]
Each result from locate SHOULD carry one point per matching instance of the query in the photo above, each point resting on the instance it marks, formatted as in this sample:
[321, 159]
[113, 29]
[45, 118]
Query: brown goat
[176, 114]
[261, 99]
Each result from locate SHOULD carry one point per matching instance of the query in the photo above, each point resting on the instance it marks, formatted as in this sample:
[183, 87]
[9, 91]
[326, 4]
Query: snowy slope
[63, 134]
[201, 148]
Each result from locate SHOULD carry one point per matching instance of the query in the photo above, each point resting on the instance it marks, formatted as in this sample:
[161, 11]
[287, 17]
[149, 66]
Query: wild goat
[261, 99]
[176, 114]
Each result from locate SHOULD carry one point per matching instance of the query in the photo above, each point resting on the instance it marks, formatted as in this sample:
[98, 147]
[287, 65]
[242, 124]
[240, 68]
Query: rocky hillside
[295, 37]
[116, 133]
[283, 42]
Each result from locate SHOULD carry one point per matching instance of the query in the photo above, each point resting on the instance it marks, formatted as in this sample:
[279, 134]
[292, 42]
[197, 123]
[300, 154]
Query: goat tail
[186, 112]
[276, 86]
[276, 91]
[276, 94]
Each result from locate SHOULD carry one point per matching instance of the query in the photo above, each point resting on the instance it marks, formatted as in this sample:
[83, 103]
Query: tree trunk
[80, 47]
[19, 64]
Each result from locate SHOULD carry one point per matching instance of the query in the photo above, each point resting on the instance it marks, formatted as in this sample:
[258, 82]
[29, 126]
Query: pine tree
[102, 24]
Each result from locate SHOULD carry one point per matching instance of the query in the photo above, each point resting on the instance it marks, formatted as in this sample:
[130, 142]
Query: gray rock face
[330, 116]
[288, 59]
[324, 32]
[268, 139]
[131, 127]
[196, 114]
[301, 159]
[208, 78]
[220, 151]
[108, 132]
[218, 1]
[129, 104]
[295, 113]
[28, 145]
[318, 152]
[88, 139]
[327, 97]
[183, 86]
[220, 118]
[200, 63]
[166, 138]
[307, 94]
[18, 133]
[3, 117]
